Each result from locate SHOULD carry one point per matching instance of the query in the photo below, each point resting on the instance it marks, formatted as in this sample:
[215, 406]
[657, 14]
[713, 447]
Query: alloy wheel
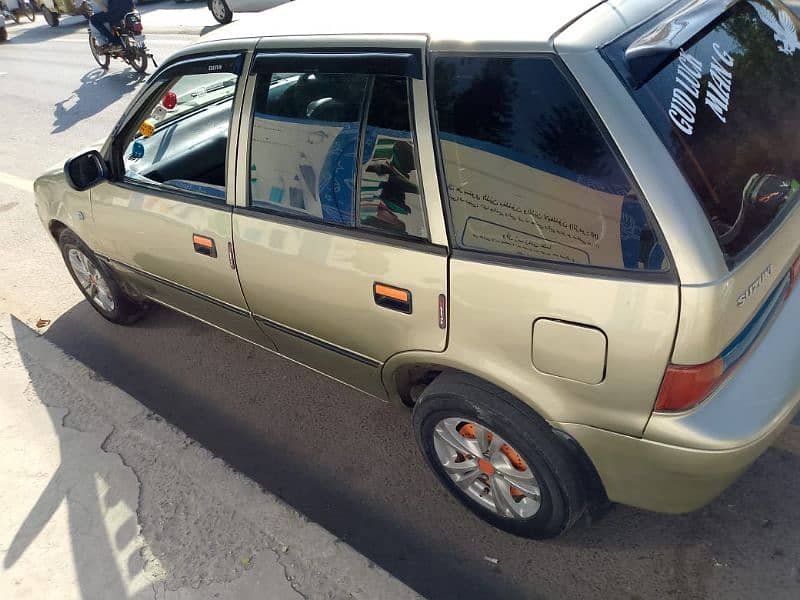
[91, 280]
[486, 468]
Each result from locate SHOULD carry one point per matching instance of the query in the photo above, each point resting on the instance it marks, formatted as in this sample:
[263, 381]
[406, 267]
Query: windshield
[725, 104]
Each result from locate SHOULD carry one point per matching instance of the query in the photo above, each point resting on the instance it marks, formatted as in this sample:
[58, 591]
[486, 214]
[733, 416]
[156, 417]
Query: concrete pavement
[103, 499]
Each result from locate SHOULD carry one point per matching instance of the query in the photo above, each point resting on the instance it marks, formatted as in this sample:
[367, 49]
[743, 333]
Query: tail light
[137, 28]
[683, 387]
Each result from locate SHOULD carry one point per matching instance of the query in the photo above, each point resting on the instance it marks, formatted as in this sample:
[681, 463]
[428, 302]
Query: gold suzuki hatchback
[567, 236]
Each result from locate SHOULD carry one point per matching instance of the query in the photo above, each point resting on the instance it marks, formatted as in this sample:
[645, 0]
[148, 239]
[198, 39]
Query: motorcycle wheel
[27, 8]
[50, 17]
[102, 58]
[138, 60]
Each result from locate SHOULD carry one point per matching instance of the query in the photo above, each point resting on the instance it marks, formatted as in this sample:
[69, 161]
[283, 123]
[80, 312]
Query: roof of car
[502, 21]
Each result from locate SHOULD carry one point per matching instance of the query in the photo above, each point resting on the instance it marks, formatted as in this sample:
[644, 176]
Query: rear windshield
[727, 106]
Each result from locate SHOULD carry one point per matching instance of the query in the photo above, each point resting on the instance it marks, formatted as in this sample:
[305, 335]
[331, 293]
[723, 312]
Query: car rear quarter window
[528, 171]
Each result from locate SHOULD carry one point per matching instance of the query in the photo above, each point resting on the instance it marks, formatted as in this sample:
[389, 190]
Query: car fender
[59, 205]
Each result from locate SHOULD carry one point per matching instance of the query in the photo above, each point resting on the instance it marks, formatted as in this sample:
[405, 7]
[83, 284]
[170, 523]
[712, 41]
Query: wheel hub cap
[486, 468]
[91, 280]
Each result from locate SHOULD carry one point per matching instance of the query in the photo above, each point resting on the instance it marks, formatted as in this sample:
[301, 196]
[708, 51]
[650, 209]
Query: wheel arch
[405, 370]
[56, 227]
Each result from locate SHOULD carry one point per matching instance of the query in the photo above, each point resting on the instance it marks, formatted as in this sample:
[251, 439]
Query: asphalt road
[345, 460]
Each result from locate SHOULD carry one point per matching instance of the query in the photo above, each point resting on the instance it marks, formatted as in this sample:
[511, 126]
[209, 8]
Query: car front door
[334, 242]
[165, 215]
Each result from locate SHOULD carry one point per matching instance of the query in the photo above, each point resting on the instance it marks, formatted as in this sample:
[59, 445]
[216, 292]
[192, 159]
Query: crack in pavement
[200, 526]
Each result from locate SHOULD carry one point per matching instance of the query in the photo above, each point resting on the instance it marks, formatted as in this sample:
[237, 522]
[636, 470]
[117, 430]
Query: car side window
[181, 143]
[309, 132]
[390, 199]
[304, 144]
[529, 172]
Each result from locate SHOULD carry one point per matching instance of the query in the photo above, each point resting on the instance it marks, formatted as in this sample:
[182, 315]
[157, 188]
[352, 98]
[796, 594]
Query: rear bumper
[684, 461]
[661, 477]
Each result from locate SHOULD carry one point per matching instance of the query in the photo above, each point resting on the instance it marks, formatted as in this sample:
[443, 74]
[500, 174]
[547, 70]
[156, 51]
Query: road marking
[26, 185]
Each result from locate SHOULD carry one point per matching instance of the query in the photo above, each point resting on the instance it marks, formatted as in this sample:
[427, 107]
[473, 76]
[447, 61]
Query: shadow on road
[89, 483]
[40, 31]
[98, 90]
[349, 463]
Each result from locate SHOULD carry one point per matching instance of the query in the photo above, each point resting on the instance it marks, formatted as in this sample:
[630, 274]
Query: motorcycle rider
[109, 16]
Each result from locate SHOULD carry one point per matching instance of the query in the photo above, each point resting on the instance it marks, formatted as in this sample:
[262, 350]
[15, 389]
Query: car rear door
[340, 260]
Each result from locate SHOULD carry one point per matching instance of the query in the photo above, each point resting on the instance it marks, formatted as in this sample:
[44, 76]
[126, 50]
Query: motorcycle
[16, 9]
[132, 49]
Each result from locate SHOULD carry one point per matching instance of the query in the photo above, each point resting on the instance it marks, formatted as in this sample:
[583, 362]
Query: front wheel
[498, 457]
[220, 10]
[50, 17]
[102, 58]
[96, 282]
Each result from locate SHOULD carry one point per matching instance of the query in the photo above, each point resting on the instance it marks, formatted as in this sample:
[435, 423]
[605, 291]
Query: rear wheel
[96, 282]
[102, 58]
[50, 17]
[220, 10]
[139, 60]
[498, 457]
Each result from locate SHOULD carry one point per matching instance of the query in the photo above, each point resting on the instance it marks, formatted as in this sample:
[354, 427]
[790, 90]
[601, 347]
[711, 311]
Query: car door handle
[204, 245]
[391, 297]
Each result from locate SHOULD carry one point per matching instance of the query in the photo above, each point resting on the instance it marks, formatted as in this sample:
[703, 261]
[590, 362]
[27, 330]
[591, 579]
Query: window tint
[528, 171]
[724, 107]
[304, 146]
[183, 141]
[390, 197]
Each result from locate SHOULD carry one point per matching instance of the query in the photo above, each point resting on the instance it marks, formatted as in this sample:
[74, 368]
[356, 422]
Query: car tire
[97, 282]
[528, 444]
[220, 10]
[3, 34]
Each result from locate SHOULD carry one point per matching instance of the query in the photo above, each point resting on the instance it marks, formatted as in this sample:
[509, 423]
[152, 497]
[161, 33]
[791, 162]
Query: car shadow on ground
[88, 483]
[98, 89]
[349, 463]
